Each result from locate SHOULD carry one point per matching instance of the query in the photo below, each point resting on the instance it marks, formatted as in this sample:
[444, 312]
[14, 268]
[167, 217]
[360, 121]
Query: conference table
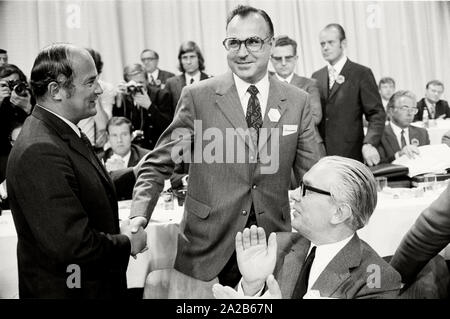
[396, 211]
[436, 129]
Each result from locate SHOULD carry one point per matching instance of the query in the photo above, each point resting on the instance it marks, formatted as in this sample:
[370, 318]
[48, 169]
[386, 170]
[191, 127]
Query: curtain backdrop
[409, 41]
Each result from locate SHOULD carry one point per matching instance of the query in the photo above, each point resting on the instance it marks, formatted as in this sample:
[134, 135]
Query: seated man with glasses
[325, 257]
[399, 137]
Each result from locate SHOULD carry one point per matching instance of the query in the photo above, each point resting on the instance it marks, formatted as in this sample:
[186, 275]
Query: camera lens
[21, 89]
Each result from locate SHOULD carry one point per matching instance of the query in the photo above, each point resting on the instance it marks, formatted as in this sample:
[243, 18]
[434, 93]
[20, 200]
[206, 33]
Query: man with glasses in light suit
[225, 197]
[399, 137]
[325, 257]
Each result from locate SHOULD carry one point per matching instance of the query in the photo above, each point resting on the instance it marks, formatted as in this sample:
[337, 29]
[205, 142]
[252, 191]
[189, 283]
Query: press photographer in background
[16, 103]
[148, 108]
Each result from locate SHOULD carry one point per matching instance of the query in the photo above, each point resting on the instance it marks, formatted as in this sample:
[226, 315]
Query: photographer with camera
[147, 107]
[16, 103]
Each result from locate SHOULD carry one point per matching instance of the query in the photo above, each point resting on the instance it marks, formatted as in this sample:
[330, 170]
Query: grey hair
[399, 94]
[355, 187]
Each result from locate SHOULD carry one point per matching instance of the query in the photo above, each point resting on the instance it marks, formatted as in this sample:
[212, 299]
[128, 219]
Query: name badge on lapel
[274, 115]
[289, 129]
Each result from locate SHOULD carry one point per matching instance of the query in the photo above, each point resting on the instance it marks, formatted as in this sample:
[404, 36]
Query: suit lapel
[345, 72]
[72, 139]
[338, 270]
[277, 101]
[203, 76]
[228, 101]
[391, 139]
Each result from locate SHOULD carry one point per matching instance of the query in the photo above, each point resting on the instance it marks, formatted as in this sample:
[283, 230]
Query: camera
[19, 87]
[134, 87]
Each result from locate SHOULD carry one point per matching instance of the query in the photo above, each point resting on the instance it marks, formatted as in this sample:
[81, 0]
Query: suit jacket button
[254, 186]
[151, 126]
[244, 212]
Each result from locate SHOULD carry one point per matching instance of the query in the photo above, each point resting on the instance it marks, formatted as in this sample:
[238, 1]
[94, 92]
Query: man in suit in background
[156, 76]
[386, 87]
[325, 258]
[3, 57]
[147, 107]
[284, 58]
[62, 200]
[248, 187]
[192, 64]
[432, 103]
[399, 137]
[347, 91]
[122, 152]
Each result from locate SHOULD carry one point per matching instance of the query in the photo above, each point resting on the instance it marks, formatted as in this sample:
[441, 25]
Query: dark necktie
[302, 282]
[253, 117]
[152, 80]
[402, 139]
[192, 80]
[91, 152]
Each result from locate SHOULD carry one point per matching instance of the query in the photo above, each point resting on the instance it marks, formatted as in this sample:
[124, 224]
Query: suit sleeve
[55, 215]
[158, 165]
[372, 107]
[314, 102]
[426, 238]
[307, 148]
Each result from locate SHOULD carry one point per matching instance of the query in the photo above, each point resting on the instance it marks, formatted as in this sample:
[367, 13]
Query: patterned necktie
[253, 117]
[152, 80]
[432, 111]
[302, 282]
[331, 77]
[402, 139]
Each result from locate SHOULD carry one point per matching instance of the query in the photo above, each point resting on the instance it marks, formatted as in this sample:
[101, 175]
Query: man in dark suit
[284, 58]
[432, 103]
[62, 199]
[426, 238]
[156, 77]
[399, 137]
[347, 91]
[249, 113]
[325, 258]
[148, 108]
[192, 64]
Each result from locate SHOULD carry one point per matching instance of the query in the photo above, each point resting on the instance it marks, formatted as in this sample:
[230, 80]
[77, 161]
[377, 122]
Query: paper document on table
[432, 159]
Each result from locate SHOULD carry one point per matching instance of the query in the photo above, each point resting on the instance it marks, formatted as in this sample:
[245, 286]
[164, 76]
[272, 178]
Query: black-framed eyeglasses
[404, 108]
[304, 188]
[252, 44]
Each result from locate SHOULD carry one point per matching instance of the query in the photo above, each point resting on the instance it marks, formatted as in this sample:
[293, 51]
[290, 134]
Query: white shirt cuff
[240, 290]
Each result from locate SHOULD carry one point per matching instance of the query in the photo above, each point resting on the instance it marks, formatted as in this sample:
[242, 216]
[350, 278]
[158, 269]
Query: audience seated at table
[399, 137]
[337, 197]
[432, 104]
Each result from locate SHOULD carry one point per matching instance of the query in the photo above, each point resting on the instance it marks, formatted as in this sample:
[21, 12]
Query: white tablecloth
[436, 129]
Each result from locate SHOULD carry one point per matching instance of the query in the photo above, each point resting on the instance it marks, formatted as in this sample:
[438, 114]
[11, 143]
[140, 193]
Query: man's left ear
[343, 213]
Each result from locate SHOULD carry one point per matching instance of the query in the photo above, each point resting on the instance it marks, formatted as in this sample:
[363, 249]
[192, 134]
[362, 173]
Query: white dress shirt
[338, 65]
[244, 96]
[73, 126]
[431, 109]
[196, 78]
[398, 134]
[324, 254]
[154, 74]
[288, 79]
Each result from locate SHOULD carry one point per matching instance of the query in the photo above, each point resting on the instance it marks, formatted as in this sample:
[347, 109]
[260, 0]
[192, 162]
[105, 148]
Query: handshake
[137, 236]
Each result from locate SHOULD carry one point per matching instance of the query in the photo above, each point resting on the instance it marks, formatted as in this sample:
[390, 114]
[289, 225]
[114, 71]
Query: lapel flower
[163, 86]
[340, 79]
[158, 82]
[415, 142]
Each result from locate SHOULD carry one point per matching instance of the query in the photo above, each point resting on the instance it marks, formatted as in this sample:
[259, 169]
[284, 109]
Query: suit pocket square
[289, 129]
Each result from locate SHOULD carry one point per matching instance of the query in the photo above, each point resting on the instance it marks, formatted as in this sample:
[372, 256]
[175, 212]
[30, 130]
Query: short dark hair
[132, 69]
[386, 80]
[3, 51]
[51, 62]
[97, 59]
[8, 69]
[244, 11]
[337, 27]
[284, 40]
[399, 94]
[117, 121]
[148, 50]
[191, 46]
[435, 82]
